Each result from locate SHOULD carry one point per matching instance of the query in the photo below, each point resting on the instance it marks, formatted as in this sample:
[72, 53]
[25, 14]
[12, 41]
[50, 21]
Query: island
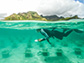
[32, 15]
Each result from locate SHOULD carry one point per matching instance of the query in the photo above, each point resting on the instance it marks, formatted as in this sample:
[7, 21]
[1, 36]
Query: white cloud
[45, 7]
[61, 7]
[15, 6]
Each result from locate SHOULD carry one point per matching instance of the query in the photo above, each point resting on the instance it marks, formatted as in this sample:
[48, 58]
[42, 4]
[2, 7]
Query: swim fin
[78, 30]
[48, 41]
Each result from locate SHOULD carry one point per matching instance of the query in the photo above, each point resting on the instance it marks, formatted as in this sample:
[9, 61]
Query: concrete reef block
[64, 44]
[52, 45]
[28, 53]
[59, 52]
[80, 44]
[77, 51]
[29, 46]
[41, 45]
[14, 45]
[5, 54]
[56, 59]
[44, 52]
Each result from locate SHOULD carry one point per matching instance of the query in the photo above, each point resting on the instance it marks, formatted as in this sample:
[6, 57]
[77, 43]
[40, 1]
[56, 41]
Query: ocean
[17, 42]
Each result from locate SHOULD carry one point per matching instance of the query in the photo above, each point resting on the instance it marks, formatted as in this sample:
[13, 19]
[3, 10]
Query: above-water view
[27, 41]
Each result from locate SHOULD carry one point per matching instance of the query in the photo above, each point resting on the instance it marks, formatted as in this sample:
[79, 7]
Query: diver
[55, 33]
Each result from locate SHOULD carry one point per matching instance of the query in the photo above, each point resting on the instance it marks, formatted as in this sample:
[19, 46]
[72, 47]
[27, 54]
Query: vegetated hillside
[57, 18]
[68, 18]
[31, 15]
[52, 17]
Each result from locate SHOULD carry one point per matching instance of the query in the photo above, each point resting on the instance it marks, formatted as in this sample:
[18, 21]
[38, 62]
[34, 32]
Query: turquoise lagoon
[17, 42]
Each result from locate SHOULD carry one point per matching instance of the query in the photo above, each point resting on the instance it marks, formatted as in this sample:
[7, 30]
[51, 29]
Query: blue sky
[82, 1]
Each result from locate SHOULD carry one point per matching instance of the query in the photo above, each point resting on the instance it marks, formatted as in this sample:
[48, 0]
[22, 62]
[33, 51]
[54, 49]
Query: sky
[82, 1]
[45, 7]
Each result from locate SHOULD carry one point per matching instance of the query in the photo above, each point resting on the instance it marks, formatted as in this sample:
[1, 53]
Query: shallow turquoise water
[18, 37]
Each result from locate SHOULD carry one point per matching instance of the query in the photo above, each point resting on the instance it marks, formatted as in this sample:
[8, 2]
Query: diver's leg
[64, 30]
[49, 41]
[78, 30]
[57, 34]
[67, 33]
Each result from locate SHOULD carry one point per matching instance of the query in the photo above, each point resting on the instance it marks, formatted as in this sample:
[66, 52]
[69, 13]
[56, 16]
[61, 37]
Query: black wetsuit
[46, 33]
[55, 33]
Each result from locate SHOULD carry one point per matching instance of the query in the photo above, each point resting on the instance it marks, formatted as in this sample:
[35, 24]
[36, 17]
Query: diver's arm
[79, 30]
[48, 41]
[42, 39]
[45, 34]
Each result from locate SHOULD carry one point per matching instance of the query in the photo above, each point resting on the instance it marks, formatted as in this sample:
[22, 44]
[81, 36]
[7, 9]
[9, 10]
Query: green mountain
[68, 18]
[57, 18]
[31, 15]
[52, 17]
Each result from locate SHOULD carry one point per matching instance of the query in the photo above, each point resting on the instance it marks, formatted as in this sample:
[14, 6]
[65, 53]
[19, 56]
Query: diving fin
[78, 30]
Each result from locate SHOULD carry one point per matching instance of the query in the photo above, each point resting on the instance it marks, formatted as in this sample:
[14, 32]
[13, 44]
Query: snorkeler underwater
[54, 33]
[49, 41]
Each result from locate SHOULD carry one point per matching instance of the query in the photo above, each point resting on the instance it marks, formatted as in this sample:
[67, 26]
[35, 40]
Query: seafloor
[18, 46]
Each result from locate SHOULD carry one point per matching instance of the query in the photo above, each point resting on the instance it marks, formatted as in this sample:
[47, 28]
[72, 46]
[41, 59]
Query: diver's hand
[38, 40]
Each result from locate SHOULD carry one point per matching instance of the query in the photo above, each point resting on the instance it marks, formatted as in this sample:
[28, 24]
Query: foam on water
[25, 24]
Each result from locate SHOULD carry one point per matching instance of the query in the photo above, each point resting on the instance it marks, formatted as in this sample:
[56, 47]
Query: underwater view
[20, 41]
